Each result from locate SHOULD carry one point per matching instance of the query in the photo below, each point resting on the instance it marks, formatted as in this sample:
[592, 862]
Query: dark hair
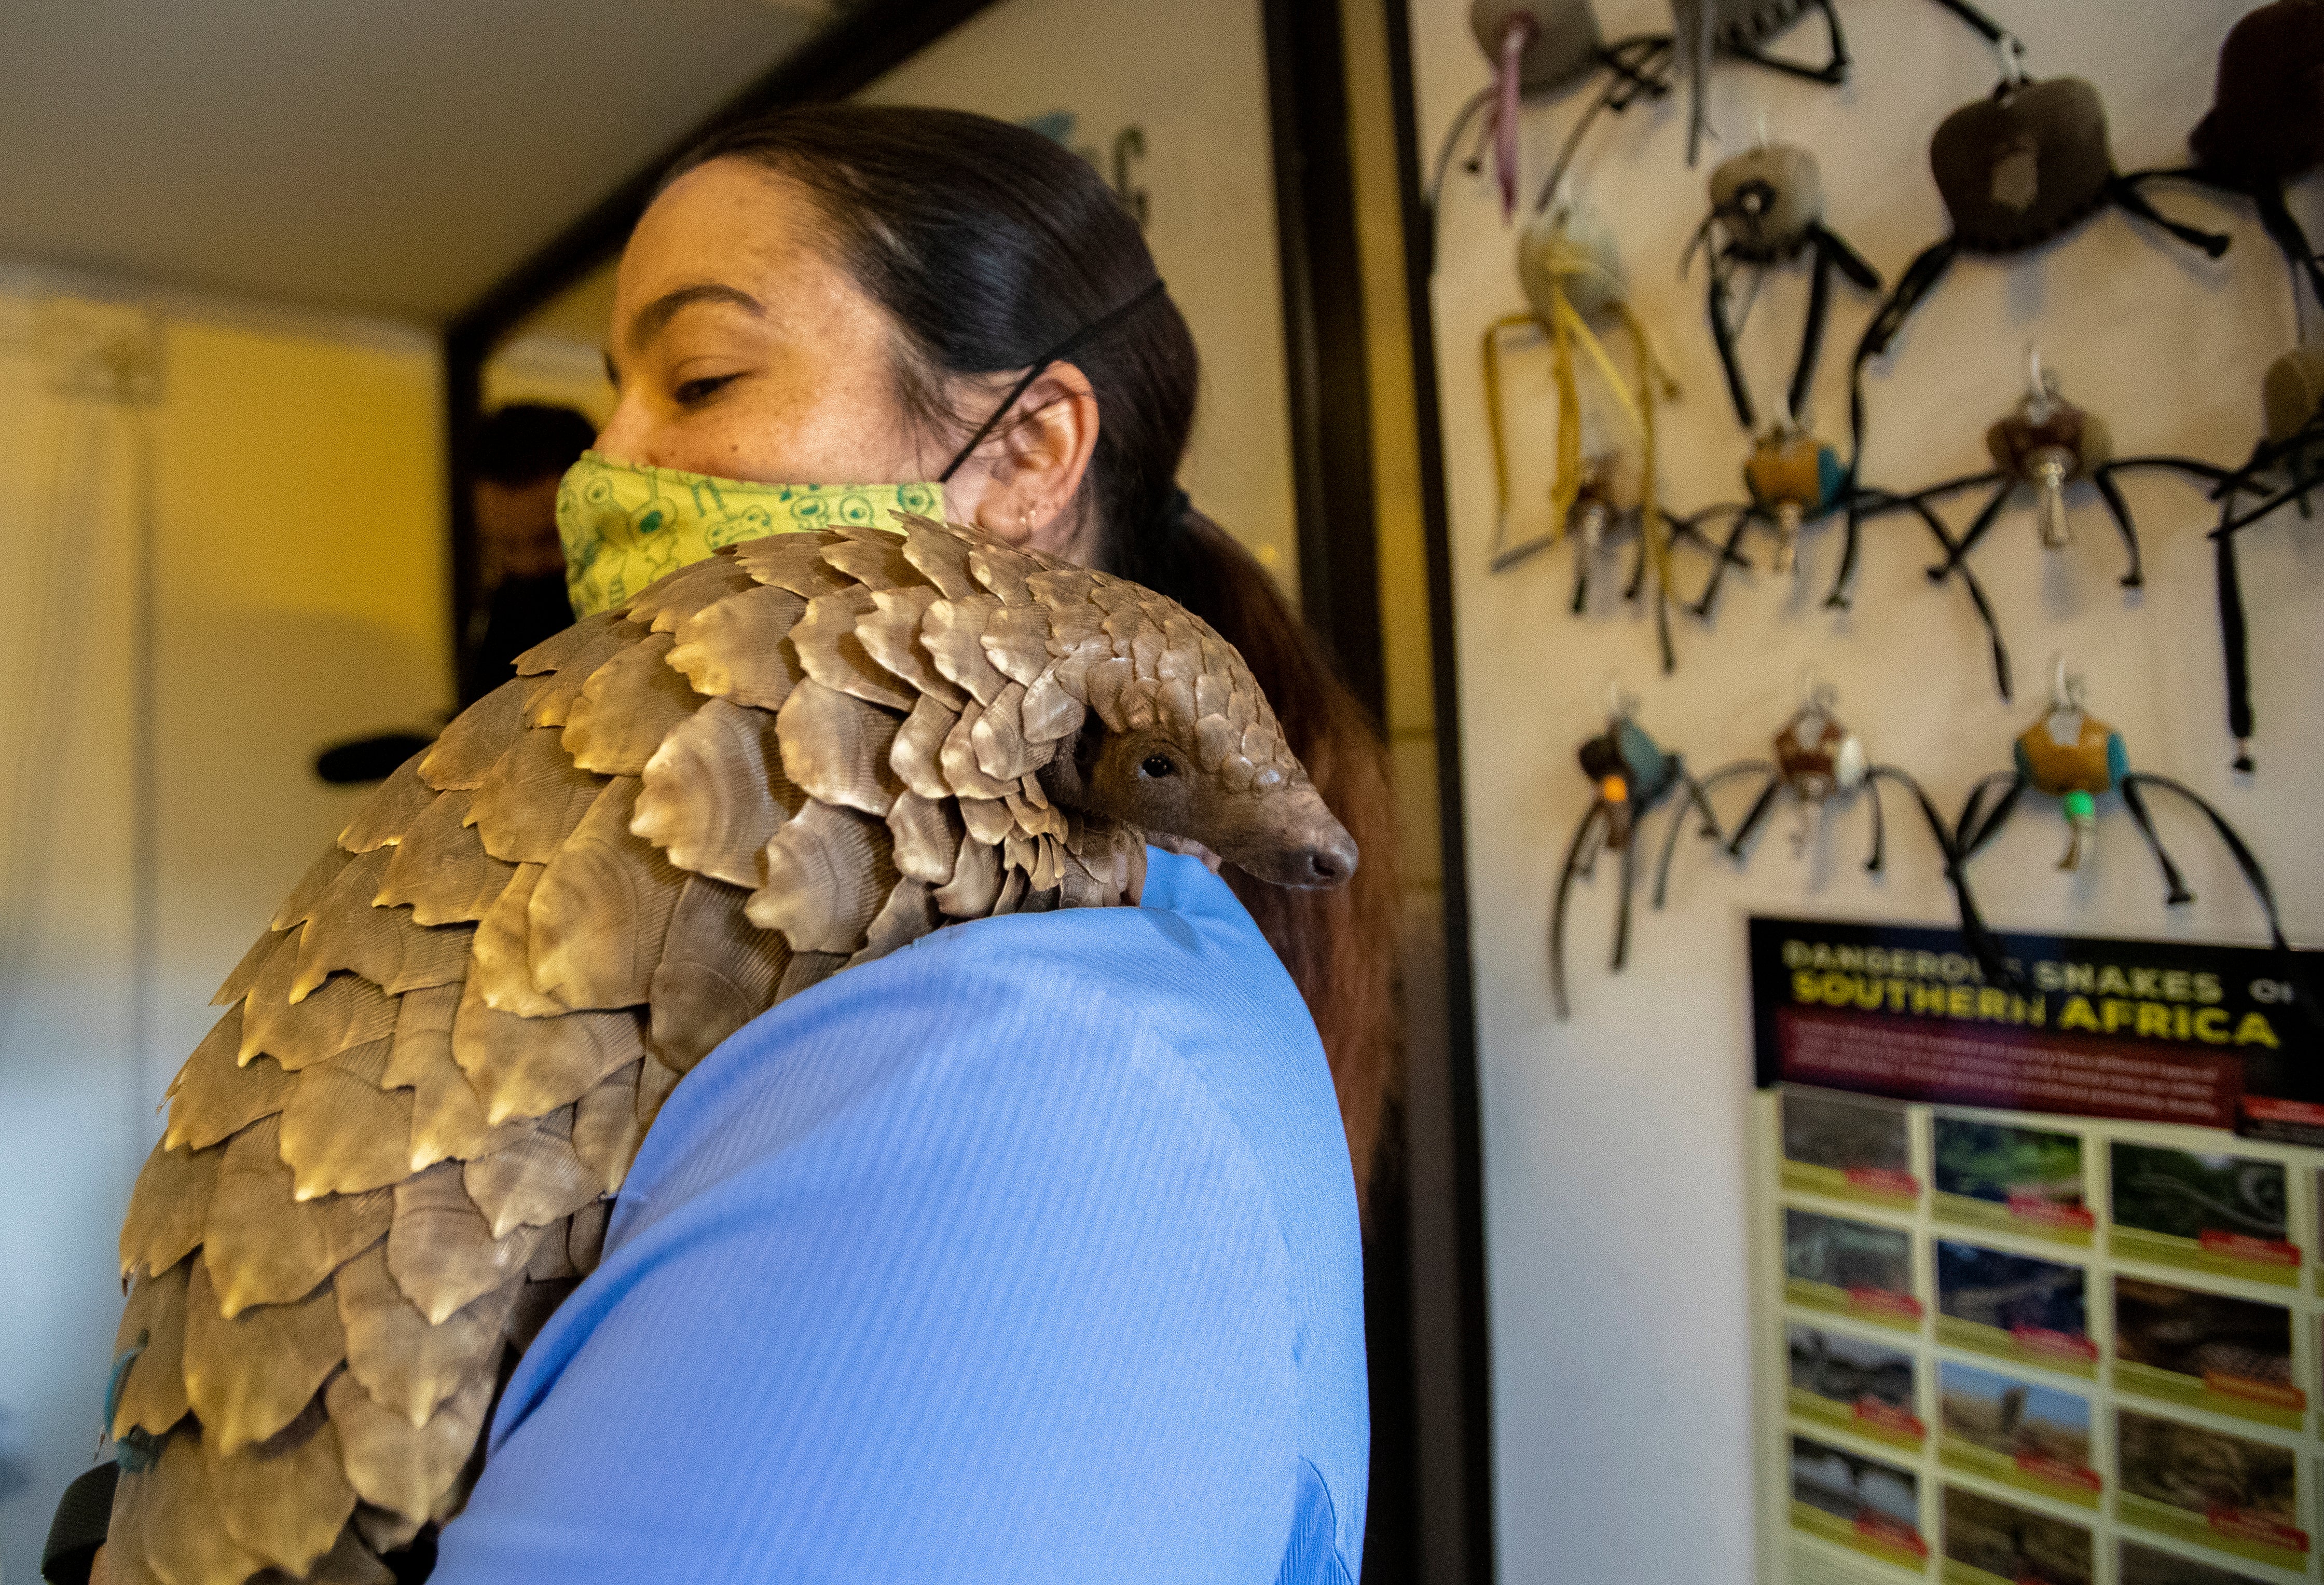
[990, 244]
[527, 442]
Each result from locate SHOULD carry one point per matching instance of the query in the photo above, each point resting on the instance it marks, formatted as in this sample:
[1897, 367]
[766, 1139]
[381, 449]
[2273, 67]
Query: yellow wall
[297, 523]
[302, 472]
[302, 552]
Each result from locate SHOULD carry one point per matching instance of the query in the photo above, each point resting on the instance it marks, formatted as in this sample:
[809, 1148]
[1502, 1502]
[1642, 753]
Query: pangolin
[398, 1150]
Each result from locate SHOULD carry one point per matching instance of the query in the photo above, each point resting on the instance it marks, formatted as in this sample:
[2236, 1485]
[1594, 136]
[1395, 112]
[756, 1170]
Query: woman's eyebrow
[650, 320]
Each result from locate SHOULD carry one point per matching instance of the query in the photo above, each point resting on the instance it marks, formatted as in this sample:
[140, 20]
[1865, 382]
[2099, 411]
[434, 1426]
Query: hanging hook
[1817, 693]
[1620, 705]
[1562, 197]
[2066, 687]
[2066, 719]
[2011, 51]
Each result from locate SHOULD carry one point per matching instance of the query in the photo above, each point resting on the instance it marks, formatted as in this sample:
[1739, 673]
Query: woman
[857, 295]
[1031, 1251]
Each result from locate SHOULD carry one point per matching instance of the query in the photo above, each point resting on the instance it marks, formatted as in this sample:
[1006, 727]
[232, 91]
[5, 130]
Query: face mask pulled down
[625, 524]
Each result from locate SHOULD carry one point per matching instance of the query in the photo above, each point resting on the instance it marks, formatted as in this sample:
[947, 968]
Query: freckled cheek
[752, 439]
[840, 437]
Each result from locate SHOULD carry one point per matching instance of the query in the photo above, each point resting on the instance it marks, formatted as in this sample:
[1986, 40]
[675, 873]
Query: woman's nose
[624, 437]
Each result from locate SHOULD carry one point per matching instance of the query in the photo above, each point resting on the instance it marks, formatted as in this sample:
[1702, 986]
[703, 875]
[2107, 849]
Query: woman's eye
[1158, 765]
[691, 391]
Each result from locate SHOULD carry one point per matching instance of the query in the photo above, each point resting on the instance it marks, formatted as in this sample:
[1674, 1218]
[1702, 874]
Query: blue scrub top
[1028, 1252]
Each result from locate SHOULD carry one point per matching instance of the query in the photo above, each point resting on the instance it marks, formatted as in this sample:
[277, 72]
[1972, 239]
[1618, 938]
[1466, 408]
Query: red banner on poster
[2244, 1246]
[2152, 1032]
[2018, 1069]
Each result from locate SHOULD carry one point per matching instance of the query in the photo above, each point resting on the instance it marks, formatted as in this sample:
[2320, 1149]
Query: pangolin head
[1031, 685]
[1178, 740]
[1238, 791]
[1162, 726]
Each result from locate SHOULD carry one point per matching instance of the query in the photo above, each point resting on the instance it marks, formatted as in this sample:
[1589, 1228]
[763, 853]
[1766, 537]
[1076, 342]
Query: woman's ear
[1023, 484]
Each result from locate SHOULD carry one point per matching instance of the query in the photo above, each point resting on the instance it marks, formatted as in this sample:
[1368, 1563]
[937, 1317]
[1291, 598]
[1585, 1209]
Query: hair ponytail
[1339, 945]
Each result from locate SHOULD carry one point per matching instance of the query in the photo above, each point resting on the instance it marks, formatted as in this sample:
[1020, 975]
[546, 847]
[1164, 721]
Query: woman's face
[739, 349]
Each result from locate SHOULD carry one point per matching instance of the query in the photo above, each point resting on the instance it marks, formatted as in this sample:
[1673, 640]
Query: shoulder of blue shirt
[1186, 970]
[1183, 988]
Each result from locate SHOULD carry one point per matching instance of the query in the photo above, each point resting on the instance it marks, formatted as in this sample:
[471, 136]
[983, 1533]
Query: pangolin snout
[1328, 862]
[1323, 854]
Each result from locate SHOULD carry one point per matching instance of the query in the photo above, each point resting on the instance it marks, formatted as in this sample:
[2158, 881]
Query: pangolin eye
[1158, 765]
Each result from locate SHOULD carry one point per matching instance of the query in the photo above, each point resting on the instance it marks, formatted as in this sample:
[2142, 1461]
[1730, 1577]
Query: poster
[2037, 1276]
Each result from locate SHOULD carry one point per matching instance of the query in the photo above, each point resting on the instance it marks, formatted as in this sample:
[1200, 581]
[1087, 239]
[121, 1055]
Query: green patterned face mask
[625, 524]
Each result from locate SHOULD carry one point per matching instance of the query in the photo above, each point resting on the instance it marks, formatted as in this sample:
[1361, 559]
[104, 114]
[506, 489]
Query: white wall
[297, 524]
[1615, 1144]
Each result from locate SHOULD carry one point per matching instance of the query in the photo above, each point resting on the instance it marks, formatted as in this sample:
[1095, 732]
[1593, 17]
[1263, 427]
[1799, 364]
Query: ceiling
[392, 159]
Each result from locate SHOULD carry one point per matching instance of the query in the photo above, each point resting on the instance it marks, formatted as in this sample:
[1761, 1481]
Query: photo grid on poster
[2019, 1350]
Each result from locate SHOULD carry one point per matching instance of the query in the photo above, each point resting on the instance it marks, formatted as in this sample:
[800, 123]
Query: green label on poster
[2222, 1255]
[1890, 1543]
[2026, 1346]
[2025, 1217]
[2042, 1477]
[2265, 1402]
[1877, 1305]
[1867, 1417]
[1864, 1185]
[2243, 1536]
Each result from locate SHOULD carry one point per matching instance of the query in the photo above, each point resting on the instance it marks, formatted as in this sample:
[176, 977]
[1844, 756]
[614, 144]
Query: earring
[1025, 523]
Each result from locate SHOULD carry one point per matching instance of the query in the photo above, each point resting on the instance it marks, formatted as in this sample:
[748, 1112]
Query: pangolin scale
[398, 1150]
